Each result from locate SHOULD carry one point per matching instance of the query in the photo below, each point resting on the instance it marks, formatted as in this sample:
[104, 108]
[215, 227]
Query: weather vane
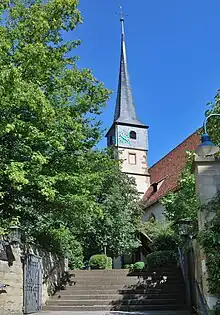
[122, 14]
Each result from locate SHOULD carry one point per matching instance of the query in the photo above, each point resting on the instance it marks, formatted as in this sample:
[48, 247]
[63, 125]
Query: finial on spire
[122, 15]
[122, 18]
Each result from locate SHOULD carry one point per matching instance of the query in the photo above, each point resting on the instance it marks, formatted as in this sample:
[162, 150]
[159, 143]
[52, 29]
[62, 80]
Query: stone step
[126, 308]
[80, 302]
[172, 268]
[174, 281]
[126, 276]
[154, 291]
[122, 277]
[159, 289]
[121, 291]
[108, 273]
[92, 296]
[96, 271]
[165, 286]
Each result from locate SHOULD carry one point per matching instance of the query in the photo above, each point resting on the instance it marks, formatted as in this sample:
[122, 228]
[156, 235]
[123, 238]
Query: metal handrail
[202, 298]
[181, 261]
[200, 294]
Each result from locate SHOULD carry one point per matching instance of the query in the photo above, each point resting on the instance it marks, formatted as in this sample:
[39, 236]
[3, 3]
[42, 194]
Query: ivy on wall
[183, 203]
[209, 239]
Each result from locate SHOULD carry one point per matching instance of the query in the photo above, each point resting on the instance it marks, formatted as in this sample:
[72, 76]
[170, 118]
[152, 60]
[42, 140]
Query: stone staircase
[118, 290]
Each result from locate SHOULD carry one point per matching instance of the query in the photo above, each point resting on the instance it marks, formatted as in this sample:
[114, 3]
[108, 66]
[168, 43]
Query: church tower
[127, 133]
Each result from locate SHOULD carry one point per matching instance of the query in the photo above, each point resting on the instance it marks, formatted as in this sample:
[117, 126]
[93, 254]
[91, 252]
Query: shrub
[165, 242]
[163, 235]
[161, 259]
[100, 262]
[128, 266]
[139, 265]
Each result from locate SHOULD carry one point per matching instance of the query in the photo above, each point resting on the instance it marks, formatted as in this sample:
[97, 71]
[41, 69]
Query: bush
[126, 266]
[161, 259]
[165, 242]
[100, 262]
[139, 265]
[163, 235]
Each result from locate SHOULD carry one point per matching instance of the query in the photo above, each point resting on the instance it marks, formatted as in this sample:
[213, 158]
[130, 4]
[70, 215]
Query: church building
[129, 136]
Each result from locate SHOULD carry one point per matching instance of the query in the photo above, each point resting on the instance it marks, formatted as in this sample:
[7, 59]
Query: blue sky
[173, 51]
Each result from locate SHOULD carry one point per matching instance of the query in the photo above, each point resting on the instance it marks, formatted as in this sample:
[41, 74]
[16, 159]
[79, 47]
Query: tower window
[112, 140]
[132, 158]
[133, 135]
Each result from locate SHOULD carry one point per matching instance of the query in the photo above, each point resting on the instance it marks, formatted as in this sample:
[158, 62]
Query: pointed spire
[125, 111]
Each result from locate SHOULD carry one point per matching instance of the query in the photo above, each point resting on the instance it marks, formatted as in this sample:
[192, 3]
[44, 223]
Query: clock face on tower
[124, 138]
[132, 137]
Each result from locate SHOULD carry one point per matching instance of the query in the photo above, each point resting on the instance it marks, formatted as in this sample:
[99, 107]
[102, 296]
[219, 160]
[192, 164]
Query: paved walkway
[117, 313]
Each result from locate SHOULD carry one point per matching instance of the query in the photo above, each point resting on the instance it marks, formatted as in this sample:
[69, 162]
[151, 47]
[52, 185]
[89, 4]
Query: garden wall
[11, 275]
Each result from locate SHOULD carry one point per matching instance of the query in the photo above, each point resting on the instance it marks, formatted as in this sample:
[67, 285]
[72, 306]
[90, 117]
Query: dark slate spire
[125, 111]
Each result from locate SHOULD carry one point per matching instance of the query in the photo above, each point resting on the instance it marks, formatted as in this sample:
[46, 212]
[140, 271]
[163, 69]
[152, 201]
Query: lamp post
[207, 147]
[15, 234]
[184, 225]
[105, 248]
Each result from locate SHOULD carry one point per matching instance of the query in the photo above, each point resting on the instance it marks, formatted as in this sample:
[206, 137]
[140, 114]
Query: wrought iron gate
[32, 284]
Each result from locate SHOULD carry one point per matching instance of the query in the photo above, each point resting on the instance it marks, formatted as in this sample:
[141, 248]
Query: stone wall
[207, 176]
[53, 269]
[11, 274]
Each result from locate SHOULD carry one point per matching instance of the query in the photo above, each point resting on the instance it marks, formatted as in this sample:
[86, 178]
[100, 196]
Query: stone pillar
[207, 176]
[117, 263]
[66, 264]
[11, 274]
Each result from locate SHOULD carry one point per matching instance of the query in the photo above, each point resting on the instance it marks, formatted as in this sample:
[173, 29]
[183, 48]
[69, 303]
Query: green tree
[48, 123]
[120, 219]
[51, 177]
[213, 124]
[183, 203]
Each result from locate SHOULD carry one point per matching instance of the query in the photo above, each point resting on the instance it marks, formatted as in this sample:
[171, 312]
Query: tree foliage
[161, 234]
[50, 175]
[122, 212]
[213, 124]
[183, 203]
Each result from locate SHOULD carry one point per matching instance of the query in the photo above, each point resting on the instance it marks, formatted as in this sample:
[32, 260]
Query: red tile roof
[167, 171]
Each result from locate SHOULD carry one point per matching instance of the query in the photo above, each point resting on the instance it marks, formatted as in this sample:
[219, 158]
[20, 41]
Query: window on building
[133, 135]
[132, 158]
[112, 140]
[144, 159]
[155, 187]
